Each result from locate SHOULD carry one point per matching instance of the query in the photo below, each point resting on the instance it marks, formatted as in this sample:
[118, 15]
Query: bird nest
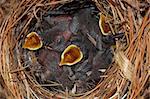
[127, 76]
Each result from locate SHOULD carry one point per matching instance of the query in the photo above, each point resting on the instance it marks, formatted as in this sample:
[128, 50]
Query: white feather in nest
[124, 64]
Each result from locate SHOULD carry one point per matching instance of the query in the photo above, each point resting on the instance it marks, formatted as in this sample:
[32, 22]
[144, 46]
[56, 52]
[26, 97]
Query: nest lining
[19, 83]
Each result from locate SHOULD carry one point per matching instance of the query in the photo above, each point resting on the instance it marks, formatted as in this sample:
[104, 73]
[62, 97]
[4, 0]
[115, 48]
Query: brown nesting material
[128, 76]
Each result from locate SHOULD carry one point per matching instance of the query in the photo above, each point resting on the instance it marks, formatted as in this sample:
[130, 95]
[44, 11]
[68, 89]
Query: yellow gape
[33, 41]
[71, 55]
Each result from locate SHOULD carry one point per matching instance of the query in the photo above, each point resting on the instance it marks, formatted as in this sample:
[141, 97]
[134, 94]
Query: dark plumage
[74, 29]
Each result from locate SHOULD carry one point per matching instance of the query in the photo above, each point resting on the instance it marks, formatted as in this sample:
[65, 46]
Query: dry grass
[128, 76]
